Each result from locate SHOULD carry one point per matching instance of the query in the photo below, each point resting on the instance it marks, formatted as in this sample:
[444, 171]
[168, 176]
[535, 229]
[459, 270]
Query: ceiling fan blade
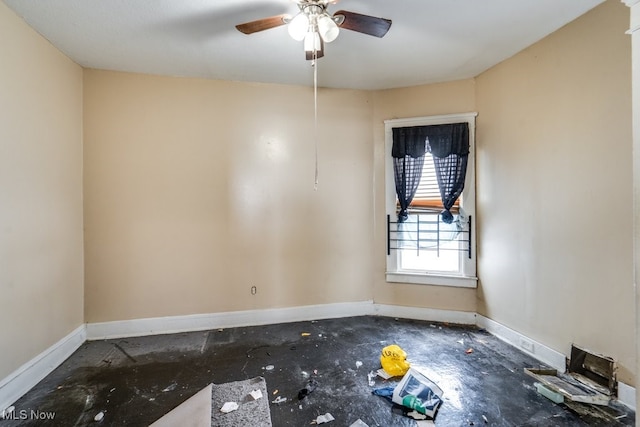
[262, 24]
[365, 24]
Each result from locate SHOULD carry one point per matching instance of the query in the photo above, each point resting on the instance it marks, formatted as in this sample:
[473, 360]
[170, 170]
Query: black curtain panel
[408, 150]
[449, 146]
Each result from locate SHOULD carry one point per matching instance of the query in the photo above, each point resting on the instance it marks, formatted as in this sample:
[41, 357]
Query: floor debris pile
[420, 396]
[587, 387]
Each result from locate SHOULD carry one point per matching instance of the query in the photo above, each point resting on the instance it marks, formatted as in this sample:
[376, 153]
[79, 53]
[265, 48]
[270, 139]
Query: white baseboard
[545, 354]
[200, 322]
[627, 395]
[428, 314]
[14, 386]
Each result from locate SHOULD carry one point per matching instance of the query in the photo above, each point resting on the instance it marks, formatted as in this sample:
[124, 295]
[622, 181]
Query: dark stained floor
[134, 381]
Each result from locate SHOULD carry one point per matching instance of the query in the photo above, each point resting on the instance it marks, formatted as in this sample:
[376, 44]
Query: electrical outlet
[527, 345]
[254, 290]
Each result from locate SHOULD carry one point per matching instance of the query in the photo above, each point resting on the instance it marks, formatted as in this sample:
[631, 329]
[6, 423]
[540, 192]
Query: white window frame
[467, 277]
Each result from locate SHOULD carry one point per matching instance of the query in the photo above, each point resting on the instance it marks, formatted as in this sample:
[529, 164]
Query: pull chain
[314, 64]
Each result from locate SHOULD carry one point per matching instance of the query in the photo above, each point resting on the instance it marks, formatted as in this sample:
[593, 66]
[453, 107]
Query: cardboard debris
[590, 378]
[567, 386]
[326, 418]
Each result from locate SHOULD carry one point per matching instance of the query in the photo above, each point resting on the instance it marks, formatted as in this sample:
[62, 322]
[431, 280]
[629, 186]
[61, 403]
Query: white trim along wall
[31, 373]
[27, 376]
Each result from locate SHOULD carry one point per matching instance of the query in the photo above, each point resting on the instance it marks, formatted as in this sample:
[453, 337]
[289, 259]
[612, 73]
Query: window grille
[427, 232]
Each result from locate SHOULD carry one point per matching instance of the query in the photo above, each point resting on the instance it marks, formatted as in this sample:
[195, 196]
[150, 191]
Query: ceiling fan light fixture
[299, 26]
[327, 28]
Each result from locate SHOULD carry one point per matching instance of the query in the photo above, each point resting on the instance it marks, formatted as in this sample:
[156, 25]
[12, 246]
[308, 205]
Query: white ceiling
[429, 41]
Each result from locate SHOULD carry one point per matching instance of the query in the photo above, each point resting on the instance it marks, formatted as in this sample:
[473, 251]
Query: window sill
[432, 279]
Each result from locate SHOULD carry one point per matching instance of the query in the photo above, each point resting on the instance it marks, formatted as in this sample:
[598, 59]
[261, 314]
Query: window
[424, 249]
[428, 193]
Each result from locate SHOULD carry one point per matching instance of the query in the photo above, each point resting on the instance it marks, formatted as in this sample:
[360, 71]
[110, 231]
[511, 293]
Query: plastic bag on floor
[418, 392]
[414, 391]
[394, 360]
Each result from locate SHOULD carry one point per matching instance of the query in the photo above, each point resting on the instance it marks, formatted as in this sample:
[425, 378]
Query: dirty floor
[134, 381]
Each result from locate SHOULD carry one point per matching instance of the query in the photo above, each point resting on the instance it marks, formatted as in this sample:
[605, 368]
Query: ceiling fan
[316, 26]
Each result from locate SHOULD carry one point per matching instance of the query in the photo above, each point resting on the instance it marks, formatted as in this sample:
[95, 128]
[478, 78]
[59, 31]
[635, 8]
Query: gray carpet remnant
[251, 412]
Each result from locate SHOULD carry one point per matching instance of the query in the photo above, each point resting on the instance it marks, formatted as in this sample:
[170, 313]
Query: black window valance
[410, 141]
[444, 140]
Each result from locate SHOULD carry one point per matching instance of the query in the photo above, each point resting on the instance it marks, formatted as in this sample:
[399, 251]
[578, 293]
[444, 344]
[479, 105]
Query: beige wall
[41, 258]
[554, 186]
[196, 190]
[429, 100]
